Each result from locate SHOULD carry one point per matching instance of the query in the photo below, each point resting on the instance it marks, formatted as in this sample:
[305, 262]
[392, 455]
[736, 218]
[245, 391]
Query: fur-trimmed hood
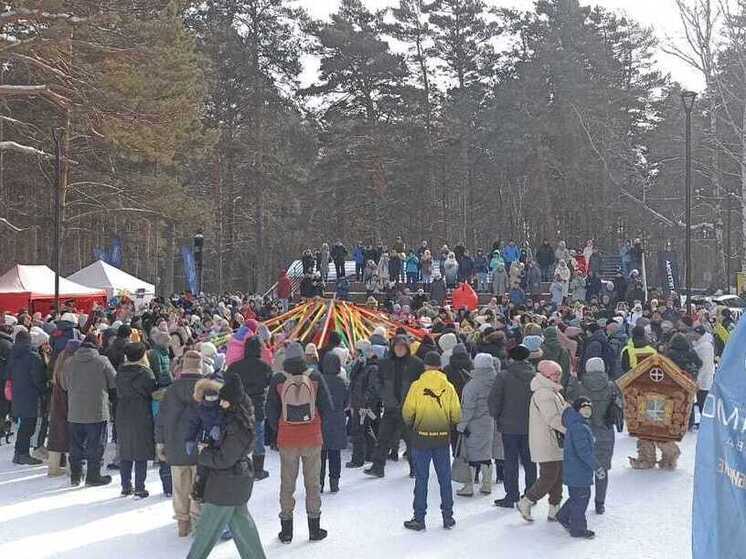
[206, 385]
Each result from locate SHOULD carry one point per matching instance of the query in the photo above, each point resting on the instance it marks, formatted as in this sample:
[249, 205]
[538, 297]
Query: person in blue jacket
[358, 255]
[578, 468]
[511, 254]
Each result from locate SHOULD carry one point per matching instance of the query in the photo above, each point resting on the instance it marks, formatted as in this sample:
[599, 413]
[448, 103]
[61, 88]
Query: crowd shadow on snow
[129, 546]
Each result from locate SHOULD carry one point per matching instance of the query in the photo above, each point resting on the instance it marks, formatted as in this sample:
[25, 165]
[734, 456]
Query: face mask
[586, 412]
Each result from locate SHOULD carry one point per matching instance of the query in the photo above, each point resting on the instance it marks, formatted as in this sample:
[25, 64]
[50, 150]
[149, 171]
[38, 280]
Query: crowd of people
[500, 270]
[202, 388]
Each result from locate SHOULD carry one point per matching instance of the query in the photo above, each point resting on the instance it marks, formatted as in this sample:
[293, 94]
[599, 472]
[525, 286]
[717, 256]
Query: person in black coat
[391, 385]
[339, 255]
[255, 375]
[26, 370]
[333, 425]
[230, 480]
[362, 419]
[6, 345]
[135, 386]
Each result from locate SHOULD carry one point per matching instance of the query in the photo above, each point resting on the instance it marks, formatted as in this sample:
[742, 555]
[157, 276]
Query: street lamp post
[688, 98]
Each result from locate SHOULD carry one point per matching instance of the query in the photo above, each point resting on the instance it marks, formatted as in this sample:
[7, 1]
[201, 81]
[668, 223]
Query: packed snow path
[648, 517]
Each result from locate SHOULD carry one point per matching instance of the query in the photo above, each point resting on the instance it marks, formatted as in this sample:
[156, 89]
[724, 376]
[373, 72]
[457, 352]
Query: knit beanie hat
[432, 359]
[294, 351]
[380, 331]
[549, 369]
[580, 402]
[533, 343]
[460, 349]
[310, 350]
[532, 329]
[191, 362]
[232, 391]
[484, 361]
[519, 353]
[595, 365]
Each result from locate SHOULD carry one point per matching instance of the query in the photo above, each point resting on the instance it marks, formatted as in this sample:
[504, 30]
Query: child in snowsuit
[579, 466]
[206, 428]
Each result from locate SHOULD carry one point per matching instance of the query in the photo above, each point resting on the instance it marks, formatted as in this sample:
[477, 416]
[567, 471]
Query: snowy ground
[648, 516]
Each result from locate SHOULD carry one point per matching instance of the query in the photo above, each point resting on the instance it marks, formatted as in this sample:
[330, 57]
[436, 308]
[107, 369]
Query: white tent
[113, 280]
[32, 287]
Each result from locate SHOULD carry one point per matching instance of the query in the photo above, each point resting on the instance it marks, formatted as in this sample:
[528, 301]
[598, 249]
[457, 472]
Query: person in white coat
[705, 348]
[545, 430]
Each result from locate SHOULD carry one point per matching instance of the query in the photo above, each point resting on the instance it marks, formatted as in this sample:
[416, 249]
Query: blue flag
[116, 256]
[719, 516]
[190, 269]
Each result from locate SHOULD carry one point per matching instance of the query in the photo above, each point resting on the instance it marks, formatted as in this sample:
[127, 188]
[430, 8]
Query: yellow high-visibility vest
[637, 354]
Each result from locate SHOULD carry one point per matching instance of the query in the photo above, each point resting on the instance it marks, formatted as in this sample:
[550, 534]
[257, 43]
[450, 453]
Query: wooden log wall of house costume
[314, 320]
[658, 399]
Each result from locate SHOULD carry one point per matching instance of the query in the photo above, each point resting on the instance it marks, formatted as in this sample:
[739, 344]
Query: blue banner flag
[116, 256]
[190, 269]
[719, 515]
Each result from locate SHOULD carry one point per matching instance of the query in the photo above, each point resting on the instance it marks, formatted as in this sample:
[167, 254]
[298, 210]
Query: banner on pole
[116, 257]
[190, 269]
[719, 512]
[668, 271]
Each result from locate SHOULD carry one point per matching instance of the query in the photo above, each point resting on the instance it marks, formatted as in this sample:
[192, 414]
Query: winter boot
[142, 493]
[468, 489]
[486, 487]
[646, 458]
[334, 484]
[600, 508]
[315, 532]
[352, 464]
[26, 460]
[93, 478]
[499, 471]
[552, 515]
[41, 453]
[416, 525]
[584, 534]
[638, 464]
[374, 471]
[75, 475]
[54, 464]
[670, 455]
[394, 455]
[286, 533]
[505, 503]
[259, 472]
[524, 507]
[126, 491]
[448, 521]
[184, 528]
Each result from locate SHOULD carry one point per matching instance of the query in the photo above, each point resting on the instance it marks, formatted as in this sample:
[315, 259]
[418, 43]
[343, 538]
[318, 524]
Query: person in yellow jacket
[430, 410]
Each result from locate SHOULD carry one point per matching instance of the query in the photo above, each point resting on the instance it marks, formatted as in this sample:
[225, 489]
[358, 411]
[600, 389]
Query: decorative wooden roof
[664, 364]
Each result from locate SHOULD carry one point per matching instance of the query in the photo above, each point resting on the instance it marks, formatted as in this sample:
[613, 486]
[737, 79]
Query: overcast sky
[661, 14]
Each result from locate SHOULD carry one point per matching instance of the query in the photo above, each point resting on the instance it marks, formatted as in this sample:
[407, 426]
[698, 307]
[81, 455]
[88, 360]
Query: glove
[190, 446]
[600, 473]
[160, 452]
[215, 433]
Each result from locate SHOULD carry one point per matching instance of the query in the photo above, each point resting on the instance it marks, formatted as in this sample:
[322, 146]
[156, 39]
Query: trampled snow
[648, 517]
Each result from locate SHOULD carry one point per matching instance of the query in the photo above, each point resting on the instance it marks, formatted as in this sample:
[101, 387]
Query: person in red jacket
[284, 290]
[297, 402]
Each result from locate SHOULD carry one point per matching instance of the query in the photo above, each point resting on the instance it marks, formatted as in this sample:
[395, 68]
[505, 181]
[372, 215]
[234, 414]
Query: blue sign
[190, 269]
[719, 515]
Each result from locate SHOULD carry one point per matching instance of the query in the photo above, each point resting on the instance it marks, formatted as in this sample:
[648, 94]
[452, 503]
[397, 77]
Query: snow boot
[259, 472]
[468, 489]
[394, 456]
[486, 487]
[75, 475]
[584, 534]
[126, 491]
[184, 528]
[670, 455]
[600, 508]
[26, 460]
[334, 484]
[524, 507]
[286, 534]
[552, 514]
[374, 471]
[499, 471]
[352, 464]
[54, 464]
[93, 478]
[142, 493]
[416, 525]
[638, 464]
[505, 503]
[315, 532]
[448, 521]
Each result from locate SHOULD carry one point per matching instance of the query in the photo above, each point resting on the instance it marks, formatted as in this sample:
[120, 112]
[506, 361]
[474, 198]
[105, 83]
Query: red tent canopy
[32, 288]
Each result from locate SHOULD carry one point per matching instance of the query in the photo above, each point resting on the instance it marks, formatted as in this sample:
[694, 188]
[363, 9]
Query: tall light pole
[199, 243]
[688, 98]
[58, 136]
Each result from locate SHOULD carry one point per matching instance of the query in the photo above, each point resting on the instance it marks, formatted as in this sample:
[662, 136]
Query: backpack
[298, 399]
